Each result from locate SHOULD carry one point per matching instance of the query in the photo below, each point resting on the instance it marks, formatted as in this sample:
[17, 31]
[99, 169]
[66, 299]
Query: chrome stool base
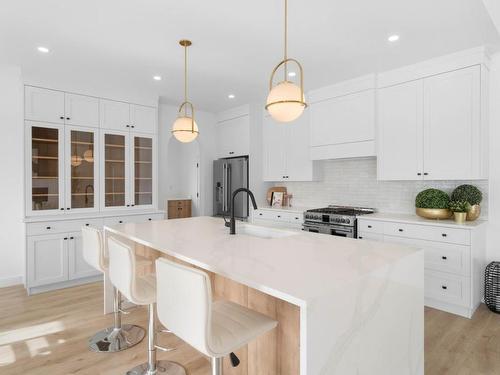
[112, 340]
[162, 367]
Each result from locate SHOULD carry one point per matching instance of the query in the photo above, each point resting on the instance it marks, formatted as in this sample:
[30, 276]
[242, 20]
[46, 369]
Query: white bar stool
[120, 336]
[140, 290]
[184, 305]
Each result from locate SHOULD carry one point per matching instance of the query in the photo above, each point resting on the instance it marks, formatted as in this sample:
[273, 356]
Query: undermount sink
[263, 232]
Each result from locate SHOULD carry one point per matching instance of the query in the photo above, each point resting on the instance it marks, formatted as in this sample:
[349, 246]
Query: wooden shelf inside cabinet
[115, 193]
[45, 157]
[144, 178]
[114, 178]
[82, 194]
[45, 195]
[44, 140]
[114, 161]
[143, 162]
[82, 143]
[144, 192]
[44, 177]
[114, 145]
[82, 178]
[143, 148]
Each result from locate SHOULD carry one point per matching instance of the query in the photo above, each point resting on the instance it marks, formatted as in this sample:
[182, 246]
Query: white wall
[494, 177]
[170, 150]
[354, 182]
[12, 167]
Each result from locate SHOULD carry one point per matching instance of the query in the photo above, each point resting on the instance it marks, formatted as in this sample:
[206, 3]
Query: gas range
[334, 220]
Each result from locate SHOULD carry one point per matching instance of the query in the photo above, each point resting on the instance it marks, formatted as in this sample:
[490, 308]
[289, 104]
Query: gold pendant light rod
[285, 57]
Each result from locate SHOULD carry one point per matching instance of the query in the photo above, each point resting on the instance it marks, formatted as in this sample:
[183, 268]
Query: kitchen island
[344, 306]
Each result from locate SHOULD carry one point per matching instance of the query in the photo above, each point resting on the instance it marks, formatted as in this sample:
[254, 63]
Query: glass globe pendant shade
[285, 102]
[76, 160]
[183, 129]
[88, 156]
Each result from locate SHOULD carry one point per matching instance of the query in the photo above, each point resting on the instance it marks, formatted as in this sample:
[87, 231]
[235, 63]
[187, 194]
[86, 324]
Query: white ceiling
[123, 43]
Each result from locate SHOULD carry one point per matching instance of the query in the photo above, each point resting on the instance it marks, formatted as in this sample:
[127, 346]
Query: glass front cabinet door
[115, 170]
[45, 173]
[81, 169]
[143, 170]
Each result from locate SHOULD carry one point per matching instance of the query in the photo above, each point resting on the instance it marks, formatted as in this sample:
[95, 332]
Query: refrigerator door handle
[224, 187]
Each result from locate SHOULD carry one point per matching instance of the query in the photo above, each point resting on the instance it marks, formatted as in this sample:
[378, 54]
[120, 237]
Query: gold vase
[434, 213]
[474, 212]
[460, 217]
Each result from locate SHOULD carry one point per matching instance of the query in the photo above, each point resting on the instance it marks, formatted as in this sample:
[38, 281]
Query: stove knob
[337, 220]
[342, 221]
[348, 221]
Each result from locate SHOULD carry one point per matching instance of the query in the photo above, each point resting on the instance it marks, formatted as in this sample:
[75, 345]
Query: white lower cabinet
[54, 251]
[47, 259]
[454, 259]
[278, 218]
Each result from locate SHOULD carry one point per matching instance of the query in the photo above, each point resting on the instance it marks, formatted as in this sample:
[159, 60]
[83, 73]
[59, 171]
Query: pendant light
[286, 100]
[184, 128]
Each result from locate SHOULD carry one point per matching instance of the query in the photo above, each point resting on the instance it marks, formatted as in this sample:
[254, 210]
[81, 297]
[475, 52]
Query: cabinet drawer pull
[62, 117]
[69, 208]
[72, 238]
[150, 219]
[297, 218]
[426, 174]
[443, 234]
[62, 208]
[65, 238]
[132, 126]
[260, 214]
[401, 230]
[369, 226]
[87, 224]
[419, 174]
[279, 215]
[444, 258]
[360, 237]
[128, 126]
[444, 287]
[67, 118]
[120, 221]
[231, 152]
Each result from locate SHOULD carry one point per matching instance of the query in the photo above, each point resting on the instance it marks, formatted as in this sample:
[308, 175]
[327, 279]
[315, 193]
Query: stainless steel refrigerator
[229, 175]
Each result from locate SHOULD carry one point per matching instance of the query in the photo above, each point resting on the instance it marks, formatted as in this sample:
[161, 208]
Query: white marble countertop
[298, 268]
[77, 216]
[287, 209]
[414, 219]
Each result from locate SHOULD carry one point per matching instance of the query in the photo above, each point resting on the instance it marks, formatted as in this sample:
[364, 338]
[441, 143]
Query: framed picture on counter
[277, 199]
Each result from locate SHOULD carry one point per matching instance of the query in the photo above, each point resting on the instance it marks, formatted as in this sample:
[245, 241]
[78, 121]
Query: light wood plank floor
[47, 334]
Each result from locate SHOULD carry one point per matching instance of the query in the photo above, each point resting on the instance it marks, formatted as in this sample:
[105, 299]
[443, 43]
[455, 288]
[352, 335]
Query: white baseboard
[10, 281]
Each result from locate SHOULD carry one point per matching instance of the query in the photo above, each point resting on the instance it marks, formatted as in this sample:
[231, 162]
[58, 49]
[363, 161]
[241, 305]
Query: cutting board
[270, 191]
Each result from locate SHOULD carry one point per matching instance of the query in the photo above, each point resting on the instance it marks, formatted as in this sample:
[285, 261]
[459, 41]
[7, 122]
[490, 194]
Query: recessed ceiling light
[43, 49]
[231, 96]
[157, 78]
[393, 38]
[292, 74]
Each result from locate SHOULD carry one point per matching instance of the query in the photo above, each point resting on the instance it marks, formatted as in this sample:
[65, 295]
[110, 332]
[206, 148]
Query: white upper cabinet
[452, 125]
[343, 120]
[44, 105]
[400, 132]
[81, 110]
[124, 116]
[143, 118]
[114, 115]
[432, 129]
[233, 132]
[286, 150]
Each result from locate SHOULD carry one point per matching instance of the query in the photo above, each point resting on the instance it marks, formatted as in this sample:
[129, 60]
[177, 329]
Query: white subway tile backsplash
[354, 182]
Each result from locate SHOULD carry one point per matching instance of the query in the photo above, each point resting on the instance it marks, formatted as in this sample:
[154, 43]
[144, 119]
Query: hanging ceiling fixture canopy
[286, 100]
[184, 128]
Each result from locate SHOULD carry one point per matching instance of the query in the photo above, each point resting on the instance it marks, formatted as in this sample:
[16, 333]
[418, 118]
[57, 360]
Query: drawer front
[47, 227]
[145, 218]
[447, 288]
[115, 220]
[370, 236]
[370, 226]
[264, 215]
[424, 232]
[440, 256]
[296, 218]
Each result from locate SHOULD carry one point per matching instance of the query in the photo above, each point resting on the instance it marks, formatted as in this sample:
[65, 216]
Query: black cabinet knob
[419, 174]
[67, 118]
[69, 208]
[444, 258]
[48, 228]
[128, 126]
[260, 214]
[128, 205]
[87, 224]
[360, 237]
[132, 205]
[65, 238]
[132, 126]
[401, 230]
[62, 208]
[426, 174]
[279, 215]
[443, 234]
[369, 226]
[444, 287]
[62, 117]
[120, 221]
[72, 238]
[150, 219]
[231, 152]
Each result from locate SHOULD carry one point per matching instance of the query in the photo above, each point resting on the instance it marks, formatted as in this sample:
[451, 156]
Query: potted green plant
[433, 204]
[471, 194]
[460, 209]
